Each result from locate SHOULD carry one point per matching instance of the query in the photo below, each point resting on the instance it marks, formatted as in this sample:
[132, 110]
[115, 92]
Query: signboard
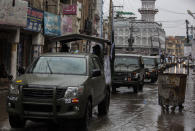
[52, 24]
[79, 9]
[125, 13]
[34, 20]
[13, 13]
[70, 10]
[66, 25]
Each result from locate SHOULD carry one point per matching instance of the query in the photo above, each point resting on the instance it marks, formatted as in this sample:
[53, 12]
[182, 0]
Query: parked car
[151, 68]
[62, 86]
[56, 86]
[128, 71]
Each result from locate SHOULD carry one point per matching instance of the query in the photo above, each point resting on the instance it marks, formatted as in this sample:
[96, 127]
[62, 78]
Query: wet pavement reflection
[128, 112]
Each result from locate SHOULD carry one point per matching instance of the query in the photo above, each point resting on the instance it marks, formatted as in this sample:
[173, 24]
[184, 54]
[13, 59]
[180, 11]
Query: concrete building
[175, 46]
[187, 49]
[99, 18]
[148, 35]
[13, 18]
[28, 24]
[105, 28]
[148, 10]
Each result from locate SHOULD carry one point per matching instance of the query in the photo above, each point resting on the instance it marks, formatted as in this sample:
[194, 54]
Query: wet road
[129, 112]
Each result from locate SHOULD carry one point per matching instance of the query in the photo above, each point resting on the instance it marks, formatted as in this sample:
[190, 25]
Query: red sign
[70, 10]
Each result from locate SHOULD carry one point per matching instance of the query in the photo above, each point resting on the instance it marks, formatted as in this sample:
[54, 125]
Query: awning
[75, 37]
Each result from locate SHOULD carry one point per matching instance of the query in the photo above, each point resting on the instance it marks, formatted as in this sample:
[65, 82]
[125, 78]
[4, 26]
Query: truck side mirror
[21, 70]
[96, 73]
[10, 77]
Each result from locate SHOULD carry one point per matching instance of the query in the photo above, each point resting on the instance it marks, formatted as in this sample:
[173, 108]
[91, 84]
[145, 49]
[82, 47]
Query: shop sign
[13, 12]
[66, 25]
[52, 24]
[70, 10]
[34, 20]
[79, 9]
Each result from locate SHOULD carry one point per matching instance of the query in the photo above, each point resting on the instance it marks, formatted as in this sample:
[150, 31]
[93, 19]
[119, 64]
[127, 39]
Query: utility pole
[111, 37]
[187, 31]
[159, 42]
[131, 38]
[110, 21]
[193, 40]
[101, 19]
[151, 45]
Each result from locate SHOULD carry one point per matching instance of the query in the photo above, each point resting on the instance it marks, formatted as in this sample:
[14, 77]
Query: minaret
[148, 10]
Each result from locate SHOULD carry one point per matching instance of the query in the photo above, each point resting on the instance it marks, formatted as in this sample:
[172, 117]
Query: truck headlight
[14, 89]
[136, 75]
[152, 70]
[71, 92]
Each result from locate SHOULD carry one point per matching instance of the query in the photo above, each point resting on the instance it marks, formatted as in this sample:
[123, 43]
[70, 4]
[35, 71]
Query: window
[126, 61]
[149, 61]
[59, 65]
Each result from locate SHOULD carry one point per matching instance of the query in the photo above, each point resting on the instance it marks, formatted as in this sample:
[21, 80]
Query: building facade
[143, 36]
[28, 24]
[99, 18]
[175, 46]
[148, 10]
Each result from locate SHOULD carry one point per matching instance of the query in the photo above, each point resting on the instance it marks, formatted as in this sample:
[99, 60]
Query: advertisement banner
[52, 24]
[13, 12]
[34, 20]
[66, 25]
[70, 10]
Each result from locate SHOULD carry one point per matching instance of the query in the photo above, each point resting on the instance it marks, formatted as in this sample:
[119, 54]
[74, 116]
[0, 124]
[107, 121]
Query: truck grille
[40, 108]
[60, 93]
[120, 76]
[37, 108]
[42, 93]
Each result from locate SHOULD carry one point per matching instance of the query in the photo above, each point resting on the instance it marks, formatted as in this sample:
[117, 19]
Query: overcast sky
[172, 13]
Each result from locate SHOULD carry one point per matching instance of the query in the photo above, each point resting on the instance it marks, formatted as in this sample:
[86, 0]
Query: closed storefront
[5, 52]
[25, 50]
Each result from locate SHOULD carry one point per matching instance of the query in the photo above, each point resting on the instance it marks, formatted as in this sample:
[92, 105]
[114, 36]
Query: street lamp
[191, 14]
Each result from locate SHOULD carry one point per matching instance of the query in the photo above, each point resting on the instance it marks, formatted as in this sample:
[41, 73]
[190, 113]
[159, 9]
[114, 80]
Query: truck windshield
[59, 65]
[126, 61]
[158, 60]
[149, 61]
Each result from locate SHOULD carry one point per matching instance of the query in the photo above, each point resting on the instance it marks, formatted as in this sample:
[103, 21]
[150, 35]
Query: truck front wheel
[113, 89]
[135, 89]
[16, 121]
[85, 121]
[103, 107]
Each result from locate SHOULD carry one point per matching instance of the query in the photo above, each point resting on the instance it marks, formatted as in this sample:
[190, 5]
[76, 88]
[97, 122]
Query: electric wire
[171, 11]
